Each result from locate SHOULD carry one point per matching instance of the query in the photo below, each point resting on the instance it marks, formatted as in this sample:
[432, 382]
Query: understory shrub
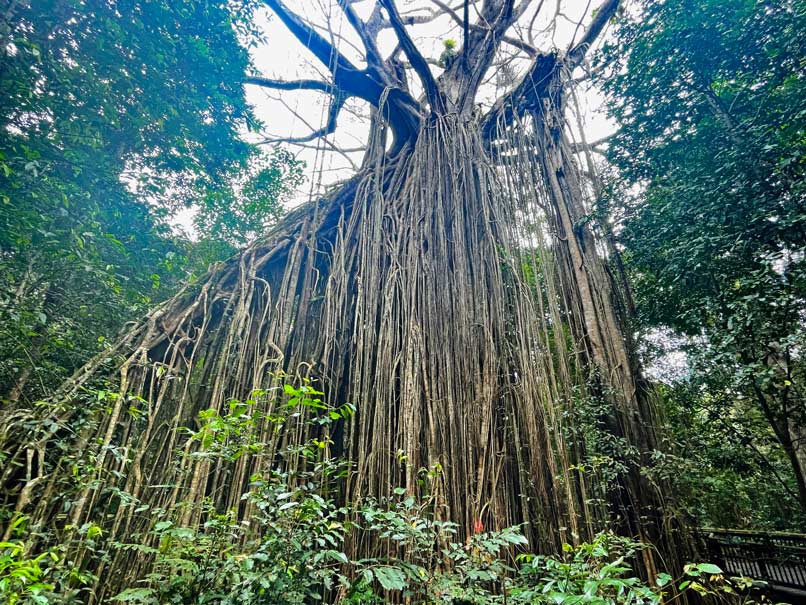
[293, 549]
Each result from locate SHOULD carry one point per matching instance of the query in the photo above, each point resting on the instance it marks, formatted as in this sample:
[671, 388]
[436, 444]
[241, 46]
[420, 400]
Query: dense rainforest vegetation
[712, 106]
[498, 364]
[108, 129]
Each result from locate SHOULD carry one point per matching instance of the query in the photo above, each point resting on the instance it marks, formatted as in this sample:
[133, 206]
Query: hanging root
[444, 293]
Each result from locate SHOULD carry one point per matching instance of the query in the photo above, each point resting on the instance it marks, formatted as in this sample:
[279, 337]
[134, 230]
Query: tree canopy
[712, 116]
[109, 127]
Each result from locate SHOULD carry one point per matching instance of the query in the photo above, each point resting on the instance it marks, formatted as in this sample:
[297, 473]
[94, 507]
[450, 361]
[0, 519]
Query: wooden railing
[777, 558]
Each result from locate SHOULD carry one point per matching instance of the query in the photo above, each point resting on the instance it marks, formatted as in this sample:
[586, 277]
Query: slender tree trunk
[641, 501]
[796, 451]
[792, 436]
[32, 354]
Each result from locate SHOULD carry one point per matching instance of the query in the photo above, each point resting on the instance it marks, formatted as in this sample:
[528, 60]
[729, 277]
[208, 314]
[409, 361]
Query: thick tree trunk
[449, 290]
[407, 292]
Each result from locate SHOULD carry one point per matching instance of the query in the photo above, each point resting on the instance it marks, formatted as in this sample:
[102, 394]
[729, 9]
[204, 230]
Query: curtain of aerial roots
[437, 302]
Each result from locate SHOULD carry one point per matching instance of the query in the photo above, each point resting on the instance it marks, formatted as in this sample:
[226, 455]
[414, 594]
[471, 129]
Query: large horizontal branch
[290, 84]
[310, 38]
[402, 111]
[346, 76]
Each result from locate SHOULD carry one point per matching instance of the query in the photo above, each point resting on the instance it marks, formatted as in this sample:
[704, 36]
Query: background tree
[710, 194]
[110, 126]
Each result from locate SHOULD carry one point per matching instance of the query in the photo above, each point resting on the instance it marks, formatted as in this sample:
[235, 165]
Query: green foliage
[43, 578]
[114, 116]
[293, 551]
[244, 207]
[709, 189]
[608, 457]
[595, 572]
[448, 55]
[729, 470]
[289, 552]
[293, 548]
[23, 579]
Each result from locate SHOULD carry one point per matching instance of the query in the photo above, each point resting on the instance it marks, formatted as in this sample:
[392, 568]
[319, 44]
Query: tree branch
[313, 41]
[519, 44]
[328, 128]
[290, 84]
[432, 15]
[603, 15]
[403, 111]
[374, 57]
[535, 85]
[416, 59]
[466, 26]
[592, 145]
